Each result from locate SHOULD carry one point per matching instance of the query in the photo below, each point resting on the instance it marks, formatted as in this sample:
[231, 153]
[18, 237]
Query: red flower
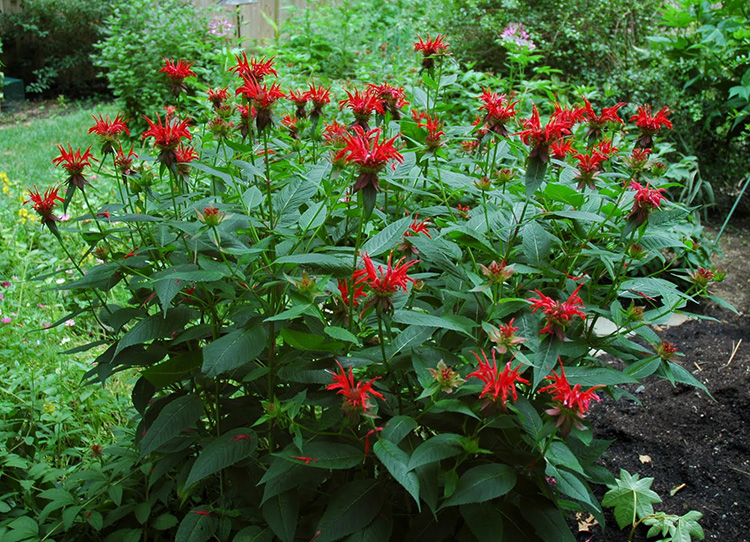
[45, 205]
[431, 48]
[167, 136]
[183, 156]
[343, 286]
[571, 404]
[108, 130]
[290, 123]
[74, 163]
[499, 109]
[541, 138]
[177, 72]
[371, 155]
[638, 159]
[415, 228]
[596, 122]
[392, 99]
[255, 69]
[299, 98]
[217, 96]
[589, 166]
[650, 125]
[497, 385]
[356, 395]
[505, 337]
[605, 149]
[666, 350]
[363, 106]
[434, 131]
[319, 96]
[383, 283]
[561, 148]
[124, 162]
[262, 97]
[558, 314]
[646, 200]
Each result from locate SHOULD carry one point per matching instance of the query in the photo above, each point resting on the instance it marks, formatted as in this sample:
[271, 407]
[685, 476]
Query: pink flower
[5, 284]
[70, 323]
[6, 320]
[645, 201]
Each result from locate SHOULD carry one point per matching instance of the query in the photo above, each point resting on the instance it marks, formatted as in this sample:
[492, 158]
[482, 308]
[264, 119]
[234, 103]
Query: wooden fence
[252, 23]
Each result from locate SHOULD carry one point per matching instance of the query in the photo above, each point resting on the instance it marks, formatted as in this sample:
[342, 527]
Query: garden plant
[353, 320]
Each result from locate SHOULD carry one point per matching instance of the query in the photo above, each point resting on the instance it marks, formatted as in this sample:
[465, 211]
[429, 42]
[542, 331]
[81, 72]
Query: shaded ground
[691, 444]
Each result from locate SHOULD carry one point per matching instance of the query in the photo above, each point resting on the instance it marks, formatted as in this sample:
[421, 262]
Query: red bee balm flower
[505, 337]
[666, 350]
[392, 99]
[541, 138]
[570, 404]
[177, 72]
[255, 69]
[497, 385]
[320, 97]
[430, 49]
[383, 283]
[74, 163]
[499, 109]
[45, 205]
[371, 155]
[434, 131]
[167, 136]
[646, 200]
[262, 98]
[108, 131]
[558, 314]
[363, 106]
[650, 125]
[597, 123]
[356, 396]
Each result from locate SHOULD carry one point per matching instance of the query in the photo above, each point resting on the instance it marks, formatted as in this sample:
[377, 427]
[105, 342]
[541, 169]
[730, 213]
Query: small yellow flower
[49, 408]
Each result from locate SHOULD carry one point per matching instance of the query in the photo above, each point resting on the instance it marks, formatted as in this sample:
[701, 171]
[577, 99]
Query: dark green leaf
[156, 327]
[178, 415]
[435, 449]
[481, 484]
[484, 520]
[233, 350]
[282, 513]
[196, 526]
[396, 461]
[222, 452]
[351, 508]
[534, 175]
[388, 238]
[397, 428]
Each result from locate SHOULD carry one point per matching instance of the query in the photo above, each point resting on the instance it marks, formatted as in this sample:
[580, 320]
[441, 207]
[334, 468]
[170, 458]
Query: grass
[36, 379]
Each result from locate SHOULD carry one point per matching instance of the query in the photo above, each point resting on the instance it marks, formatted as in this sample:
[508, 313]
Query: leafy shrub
[388, 333]
[588, 40]
[49, 42]
[139, 34]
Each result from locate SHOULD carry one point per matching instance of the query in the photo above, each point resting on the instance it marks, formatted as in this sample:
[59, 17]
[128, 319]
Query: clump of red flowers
[540, 138]
[431, 49]
[383, 283]
[646, 200]
[363, 105]
[597, 123]
[262, 97]
[177, 72]
[498, 385]
[108, 130]
[74, 163]
[500, 110]
[666, 350]
[253, 69]
[356, 394]
[558, 314]
[505, 337]
[167, 136]
[650, 124]
[370, 154]
[45, 204]
[570, 404]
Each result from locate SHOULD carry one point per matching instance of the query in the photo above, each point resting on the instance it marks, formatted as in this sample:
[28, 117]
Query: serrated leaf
[452, 405]
[196, 526]
[545, 359]
[534, 175]
[282, 513]
[156, 326]
[178, 415]
[482, 484]
[351, 508]
[174, 369]
[397, 428]
[631, 498]
[436, 449]
[396, 461]
[536, 243]
[323, 262]
[387, 238]
[254, 534]
[341, 334]
[222, 452]
[233, 350]
[455, 323]
[324, 455]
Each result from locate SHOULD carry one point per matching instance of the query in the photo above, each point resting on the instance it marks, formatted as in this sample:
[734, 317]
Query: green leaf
[233, 350]
[180, 414]
[631, 498]
[571, 485]
[452, 405]
[559, 454]
[351, 508]
[222, 452]
[546, 519]
[196, 526]
[156, 326]
[534, 175]
[254, 534]
[397, 428]
[687, 527]
[341, 334]
[174, 369]
[295, 311]
[164, 522]
[387, 238]
[323, 262]
[684, 376]
[436, 449]
[484, 520]
[324, 455]
[453, 322]
[411, 337]
[481, 484]
[536, 243]
[282, 513]
[545, 359]
[530, 419]
[564, 194]
[396, 461]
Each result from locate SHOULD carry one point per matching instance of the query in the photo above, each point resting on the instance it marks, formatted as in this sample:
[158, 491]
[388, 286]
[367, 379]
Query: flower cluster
[431, 49]
[383, 283]
[498, 385]
[356, 394]
[558, 314]
[370, 154]
[570, 404]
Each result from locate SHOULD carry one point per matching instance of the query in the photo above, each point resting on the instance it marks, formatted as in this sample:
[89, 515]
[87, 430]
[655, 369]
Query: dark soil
[693, 445]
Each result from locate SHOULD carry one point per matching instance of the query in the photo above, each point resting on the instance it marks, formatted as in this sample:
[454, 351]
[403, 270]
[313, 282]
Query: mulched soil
[691, 444]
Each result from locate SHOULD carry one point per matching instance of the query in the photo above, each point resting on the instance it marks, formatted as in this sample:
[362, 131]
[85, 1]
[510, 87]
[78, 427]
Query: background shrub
[138, 35]
[48, 44]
